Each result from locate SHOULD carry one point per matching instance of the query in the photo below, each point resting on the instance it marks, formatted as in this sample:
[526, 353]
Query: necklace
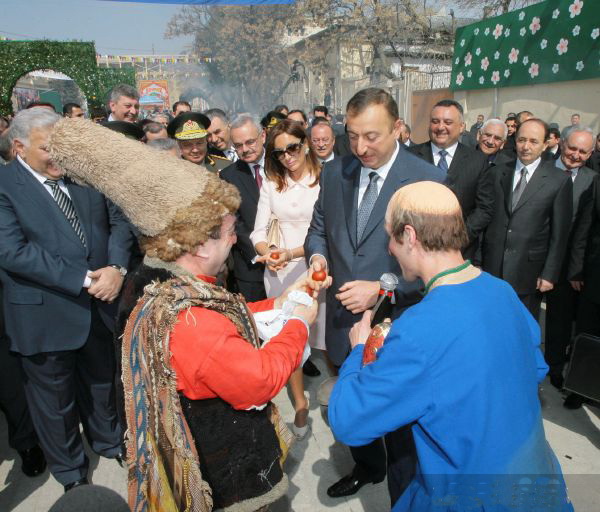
[453, 270]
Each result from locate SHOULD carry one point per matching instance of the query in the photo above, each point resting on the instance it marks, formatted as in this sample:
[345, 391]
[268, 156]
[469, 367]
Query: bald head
[434, 213]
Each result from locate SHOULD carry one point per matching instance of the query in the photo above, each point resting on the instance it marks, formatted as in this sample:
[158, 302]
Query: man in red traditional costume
[202, 432]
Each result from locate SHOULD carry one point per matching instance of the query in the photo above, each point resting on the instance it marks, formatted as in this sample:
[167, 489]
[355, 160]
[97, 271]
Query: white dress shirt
[261, 162]
[231, 154]
[383, 171]
[328, 159]
[531, 168]
[435, 153]
[561, 166]
[87, 281]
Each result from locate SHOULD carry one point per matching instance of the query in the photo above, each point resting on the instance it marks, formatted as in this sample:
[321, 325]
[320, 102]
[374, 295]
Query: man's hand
[302, 284]
[318, 264]
[358, 296]
[106, 283]
[360, 330]
[543, 285]
[577, 285]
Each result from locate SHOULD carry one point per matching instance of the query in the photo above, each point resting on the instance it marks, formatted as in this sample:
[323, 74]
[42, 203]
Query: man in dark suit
[526, 240]
[405, 136]
[552, 152]
[490, 141]
[561, 302]
[247, 174]
[63, 253]
[594, 160]
[465, 168]
[347, 237]
[475, 127]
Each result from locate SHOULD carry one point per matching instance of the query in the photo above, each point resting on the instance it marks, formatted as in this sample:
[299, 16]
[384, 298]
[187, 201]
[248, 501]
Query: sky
[118, 28]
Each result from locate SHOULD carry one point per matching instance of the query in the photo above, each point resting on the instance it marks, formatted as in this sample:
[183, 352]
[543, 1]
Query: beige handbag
[273, 233]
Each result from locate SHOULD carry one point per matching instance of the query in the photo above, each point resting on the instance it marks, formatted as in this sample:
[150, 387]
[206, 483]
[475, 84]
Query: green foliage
[75, 59]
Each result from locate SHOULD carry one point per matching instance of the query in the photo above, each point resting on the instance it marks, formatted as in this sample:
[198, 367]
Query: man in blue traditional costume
[479, 439]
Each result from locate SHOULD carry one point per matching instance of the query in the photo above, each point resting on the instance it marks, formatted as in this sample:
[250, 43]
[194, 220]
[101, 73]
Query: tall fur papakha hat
[175, 204]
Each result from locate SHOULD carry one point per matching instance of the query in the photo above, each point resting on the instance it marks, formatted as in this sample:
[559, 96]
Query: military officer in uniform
[190, 130]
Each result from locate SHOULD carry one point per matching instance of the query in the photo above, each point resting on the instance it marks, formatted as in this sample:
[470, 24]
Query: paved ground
[317, 462]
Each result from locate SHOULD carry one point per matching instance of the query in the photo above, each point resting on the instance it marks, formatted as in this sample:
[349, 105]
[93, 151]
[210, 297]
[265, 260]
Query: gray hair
[163, 144]
[245, 118]
[217, 112]
[123, 90]
[156, 118]
[567, 132]
[496, 122]
[28, 120]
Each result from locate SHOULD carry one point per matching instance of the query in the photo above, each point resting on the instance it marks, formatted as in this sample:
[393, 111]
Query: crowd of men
[529, 194]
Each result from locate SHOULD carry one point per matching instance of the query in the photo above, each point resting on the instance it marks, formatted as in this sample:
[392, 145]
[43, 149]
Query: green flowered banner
[552, 41]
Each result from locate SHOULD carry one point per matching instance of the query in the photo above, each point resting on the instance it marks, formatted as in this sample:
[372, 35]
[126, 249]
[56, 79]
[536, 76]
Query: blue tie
[442, 164]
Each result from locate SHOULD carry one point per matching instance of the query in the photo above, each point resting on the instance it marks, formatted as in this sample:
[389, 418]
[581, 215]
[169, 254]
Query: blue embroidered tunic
[463, 368]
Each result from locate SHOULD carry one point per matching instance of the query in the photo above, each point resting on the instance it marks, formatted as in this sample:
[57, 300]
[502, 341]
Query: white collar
[530, 168]
[385, 168]
[450, 150]
[34, 173]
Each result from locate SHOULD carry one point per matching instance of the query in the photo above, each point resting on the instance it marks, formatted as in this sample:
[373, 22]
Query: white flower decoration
[462, 42]
[470, 73]
[543, 44]
[487, 31]
[563, 46]
[555, 14]
[579, 66]
[468, 58]
[575, 8]
[521, 15]
[481, 79]
[476, 31]
[534, 70]
[576, 30]
[495, 77]
[555, 68]
[485, 63]
[513, 56]
[595, 33]
[506, 32]
[506, 73]
[497, 55]
[478, 51]
[523, 31]
[535, 25]
[457, 60]
[498, 31]
[460, 78]
[525, 60]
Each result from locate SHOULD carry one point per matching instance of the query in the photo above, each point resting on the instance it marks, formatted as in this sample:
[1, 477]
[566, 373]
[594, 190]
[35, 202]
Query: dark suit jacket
[530, 242]
[341, 146]
[43, 263]
[500, 158]
[584, 203]
[332, 233]
[594, 161]
[589, 234]
[473, 184]
[240, 175]
[548, 156]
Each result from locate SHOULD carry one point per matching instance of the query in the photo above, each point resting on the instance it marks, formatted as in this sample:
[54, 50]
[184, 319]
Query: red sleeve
[262, 305]
[212, 360]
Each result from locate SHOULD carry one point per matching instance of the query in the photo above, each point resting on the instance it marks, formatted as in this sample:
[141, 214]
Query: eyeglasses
[292, 149]
[240, 145]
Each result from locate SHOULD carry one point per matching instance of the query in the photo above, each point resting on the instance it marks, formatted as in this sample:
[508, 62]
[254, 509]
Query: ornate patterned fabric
[164, 468]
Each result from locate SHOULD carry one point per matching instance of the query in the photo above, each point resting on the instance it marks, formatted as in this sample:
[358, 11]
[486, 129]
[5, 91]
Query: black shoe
[310, 370]
[573, 401]
[350, 484]
[76, 483]
[557, 380]
[34, 462]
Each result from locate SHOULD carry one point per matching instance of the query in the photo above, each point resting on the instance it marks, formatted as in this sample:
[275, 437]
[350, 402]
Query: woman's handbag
[273, 232]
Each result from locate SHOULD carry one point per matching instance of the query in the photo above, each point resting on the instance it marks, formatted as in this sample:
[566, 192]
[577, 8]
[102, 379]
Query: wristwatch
[122, 270]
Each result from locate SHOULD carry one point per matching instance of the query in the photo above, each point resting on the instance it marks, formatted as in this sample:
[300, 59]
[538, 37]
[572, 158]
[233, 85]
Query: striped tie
[66, 206]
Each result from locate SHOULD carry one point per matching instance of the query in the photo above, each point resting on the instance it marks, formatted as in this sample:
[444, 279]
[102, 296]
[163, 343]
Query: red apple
[319, 275]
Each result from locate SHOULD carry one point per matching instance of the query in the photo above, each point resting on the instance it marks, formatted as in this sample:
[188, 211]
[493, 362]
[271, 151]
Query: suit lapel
[506, 183]
[394, 180]
[81, 201]
[350, 183]
[426, 152]
[456, 164]
[247, 180]
[534, 185]
[582, 182]
[37, 194]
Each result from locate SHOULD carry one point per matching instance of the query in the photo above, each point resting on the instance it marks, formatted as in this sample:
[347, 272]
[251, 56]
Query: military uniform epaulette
[216, 163]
